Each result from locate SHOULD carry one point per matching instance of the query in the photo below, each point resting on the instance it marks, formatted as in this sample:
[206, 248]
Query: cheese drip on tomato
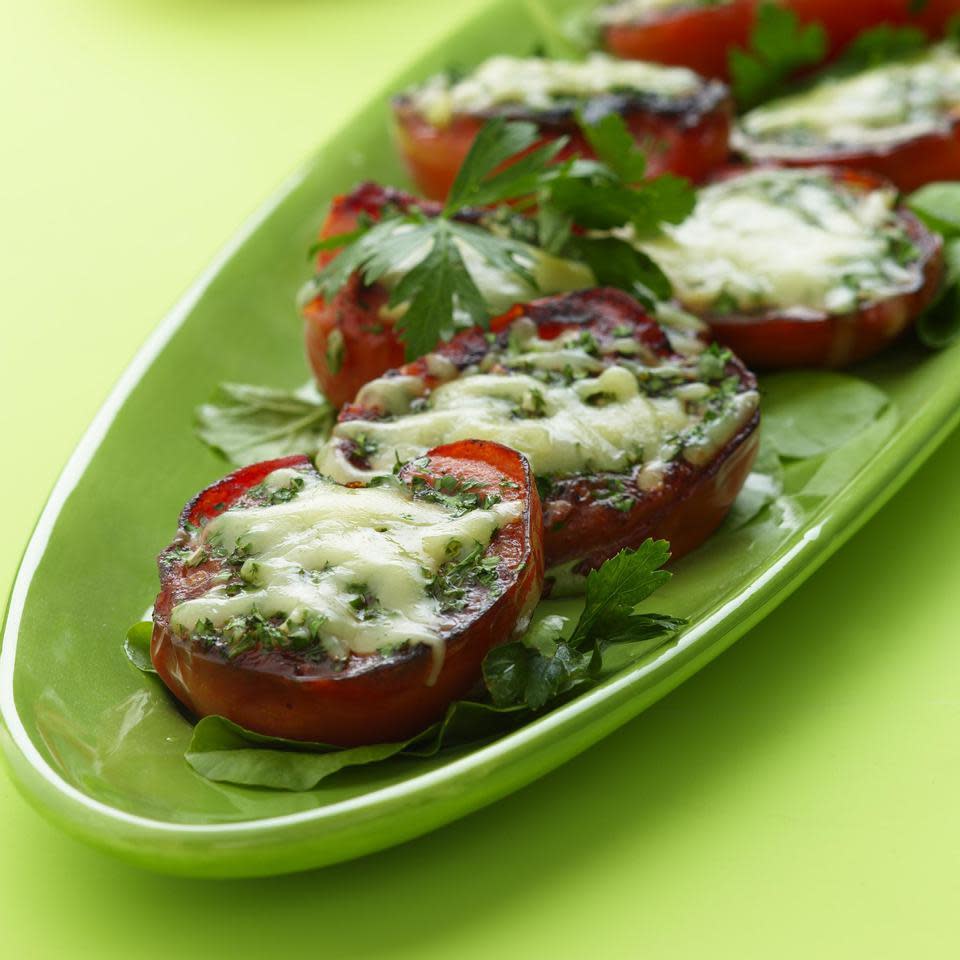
[538, 83]
[888, 104]
[559, 404]
[353, 564]
[786, 239]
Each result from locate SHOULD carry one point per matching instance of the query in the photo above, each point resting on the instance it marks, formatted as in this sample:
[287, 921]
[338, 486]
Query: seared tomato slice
[685, 132]
[628, 439]
[899, 119]
[700, 35]
[794, 268]
[302, 608]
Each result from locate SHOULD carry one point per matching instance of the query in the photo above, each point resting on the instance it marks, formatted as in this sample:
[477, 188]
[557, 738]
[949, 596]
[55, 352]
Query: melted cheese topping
[786, 238]
[565, 410]
[537, 83]
[884, 105]
[627, 11]
[316, 554]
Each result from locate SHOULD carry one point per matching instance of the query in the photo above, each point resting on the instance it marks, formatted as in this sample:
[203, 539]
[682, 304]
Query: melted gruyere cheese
[557, 403]
[356, 562]
[538, 83]
[887, 104]
[786, 238]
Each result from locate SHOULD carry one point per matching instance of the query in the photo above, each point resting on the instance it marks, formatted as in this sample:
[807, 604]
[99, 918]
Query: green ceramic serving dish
[99, 747]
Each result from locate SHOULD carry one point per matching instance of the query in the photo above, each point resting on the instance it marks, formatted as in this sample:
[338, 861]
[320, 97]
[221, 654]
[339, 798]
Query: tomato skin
[377, 698]
[844, 21]
[691, 138]
[908, 164]
[701, 37]
[579, 526]
[696, 37]
[781, 338]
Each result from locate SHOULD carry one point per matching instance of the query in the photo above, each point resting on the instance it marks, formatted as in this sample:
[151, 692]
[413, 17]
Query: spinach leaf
[939, 326]
[137, 646]
[226, 752]
[807, 413]
[247, 423]
[938, 206]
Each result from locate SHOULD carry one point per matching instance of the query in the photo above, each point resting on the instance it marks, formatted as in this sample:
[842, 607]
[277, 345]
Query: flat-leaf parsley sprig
[544, 665]
[779, 47]
[572, 198]
[438, 282]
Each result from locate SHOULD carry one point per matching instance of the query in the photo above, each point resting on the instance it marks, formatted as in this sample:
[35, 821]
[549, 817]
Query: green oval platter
[98, 747]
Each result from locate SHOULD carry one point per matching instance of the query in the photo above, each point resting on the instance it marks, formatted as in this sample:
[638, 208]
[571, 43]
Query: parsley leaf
[779, 46]
[615, 146]
[479, 184]
[598, 194]
[880, 45]
[544, 665]
[610, 192]
[616, 263]
[247, 423]
[430, 290]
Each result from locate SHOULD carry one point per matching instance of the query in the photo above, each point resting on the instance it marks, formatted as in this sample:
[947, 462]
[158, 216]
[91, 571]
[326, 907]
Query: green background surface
[797, 798]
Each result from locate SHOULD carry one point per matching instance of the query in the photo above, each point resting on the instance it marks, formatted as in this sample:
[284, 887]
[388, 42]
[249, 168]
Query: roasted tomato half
[812, 267]
[899, 119]
[681, 120]
[302, 608]
[700, 35]
[627, 438]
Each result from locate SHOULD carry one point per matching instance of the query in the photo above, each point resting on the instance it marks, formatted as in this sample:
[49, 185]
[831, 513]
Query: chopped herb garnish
[713, 362]
[365, 446]
[453, 581]
[455, 493]
[363, 601]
